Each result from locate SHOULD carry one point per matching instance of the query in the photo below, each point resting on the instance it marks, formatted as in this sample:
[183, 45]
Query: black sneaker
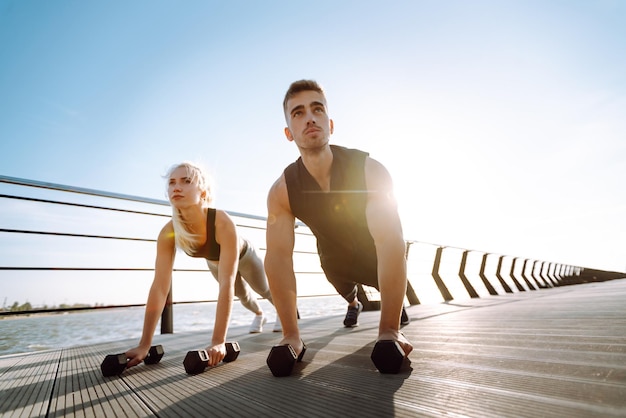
[404, 319]
[352, 316]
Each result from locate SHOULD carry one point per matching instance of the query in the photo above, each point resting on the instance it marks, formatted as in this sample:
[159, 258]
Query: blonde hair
[184, 239]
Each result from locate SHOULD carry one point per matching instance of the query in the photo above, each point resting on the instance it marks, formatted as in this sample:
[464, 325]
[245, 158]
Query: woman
[202, 231]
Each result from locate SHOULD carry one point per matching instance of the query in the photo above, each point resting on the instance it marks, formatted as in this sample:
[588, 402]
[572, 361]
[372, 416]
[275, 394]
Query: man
[346, 199]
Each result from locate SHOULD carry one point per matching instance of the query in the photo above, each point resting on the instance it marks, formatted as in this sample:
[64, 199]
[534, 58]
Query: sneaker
[404, 319]
[257, 324]
[352, 316]
[278, 327]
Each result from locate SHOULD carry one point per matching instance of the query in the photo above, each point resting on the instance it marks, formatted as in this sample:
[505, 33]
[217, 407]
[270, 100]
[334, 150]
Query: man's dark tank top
[337, 218]
[211, 249]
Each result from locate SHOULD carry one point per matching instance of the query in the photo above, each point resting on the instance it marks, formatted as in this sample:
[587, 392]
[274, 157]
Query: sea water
[23, 334]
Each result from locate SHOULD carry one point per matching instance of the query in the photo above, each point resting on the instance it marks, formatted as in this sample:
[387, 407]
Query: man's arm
[385, 227]
[279, 261]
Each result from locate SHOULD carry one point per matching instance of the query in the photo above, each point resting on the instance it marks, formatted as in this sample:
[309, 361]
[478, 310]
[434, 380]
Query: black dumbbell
[282, 359]
[388, 356]
[115, 364]
[196, 361]
[155, 354]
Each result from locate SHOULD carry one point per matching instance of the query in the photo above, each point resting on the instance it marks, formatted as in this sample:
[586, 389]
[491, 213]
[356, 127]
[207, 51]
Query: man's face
[308, 123]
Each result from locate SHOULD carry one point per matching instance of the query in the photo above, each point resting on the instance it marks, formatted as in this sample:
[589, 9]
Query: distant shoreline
[59, 311]
[16, 315]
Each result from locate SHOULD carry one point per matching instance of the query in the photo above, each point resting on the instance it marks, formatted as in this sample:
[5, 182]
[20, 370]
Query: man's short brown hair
[300, 86]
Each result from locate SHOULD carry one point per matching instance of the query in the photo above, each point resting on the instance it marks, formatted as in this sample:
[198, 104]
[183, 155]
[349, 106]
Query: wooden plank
[81, 390]
[26, 382]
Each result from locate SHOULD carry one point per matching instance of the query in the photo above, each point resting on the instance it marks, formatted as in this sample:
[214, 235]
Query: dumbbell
[196, 361]
[114, 364]
[282, 359]
[388, 356]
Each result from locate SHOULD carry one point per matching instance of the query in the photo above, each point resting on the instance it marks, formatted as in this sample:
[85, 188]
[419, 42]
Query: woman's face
[182, 190]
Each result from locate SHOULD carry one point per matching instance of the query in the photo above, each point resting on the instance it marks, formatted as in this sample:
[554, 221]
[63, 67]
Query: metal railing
[148, 208]
[464, 273]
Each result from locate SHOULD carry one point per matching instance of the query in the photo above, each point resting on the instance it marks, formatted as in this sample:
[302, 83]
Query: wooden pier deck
[558, 352]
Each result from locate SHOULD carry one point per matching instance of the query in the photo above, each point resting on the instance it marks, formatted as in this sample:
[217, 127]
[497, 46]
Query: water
[53, 331]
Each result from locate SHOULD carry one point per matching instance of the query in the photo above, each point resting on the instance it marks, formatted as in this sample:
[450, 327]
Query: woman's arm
[166, 251]
[225, 235]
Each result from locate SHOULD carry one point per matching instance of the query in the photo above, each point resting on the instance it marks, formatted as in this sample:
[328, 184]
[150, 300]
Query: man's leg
[352, 316]
[348, 290]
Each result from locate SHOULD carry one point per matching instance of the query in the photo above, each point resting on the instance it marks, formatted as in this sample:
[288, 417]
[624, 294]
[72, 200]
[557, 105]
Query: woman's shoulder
[225, 229]
[167, 231]
[222, 217]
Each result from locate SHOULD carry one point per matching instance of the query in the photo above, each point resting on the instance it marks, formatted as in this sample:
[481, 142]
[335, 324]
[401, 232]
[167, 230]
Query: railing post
[557, 273]
[410, 292]
[488, 285]
[512, 276]
[468, 286]
[544, 275]
[530, 285]
[438, 280]
[504, 284]
[532, 273]
[167, 316]
[362, 296]
[552, 274]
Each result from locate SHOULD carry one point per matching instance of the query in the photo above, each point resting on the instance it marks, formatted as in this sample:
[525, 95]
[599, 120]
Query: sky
[501, 122]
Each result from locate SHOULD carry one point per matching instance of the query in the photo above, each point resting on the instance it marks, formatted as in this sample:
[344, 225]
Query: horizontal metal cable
[137, 212]
[21, 268]
[81, 205]
[64, 234]
[92, 269]
[99, 193]
[134, 305]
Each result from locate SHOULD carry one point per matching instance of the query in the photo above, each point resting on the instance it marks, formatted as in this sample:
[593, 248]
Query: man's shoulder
[292, 169]
[278, 198]
[278, 190]
[346, 150]
[293, 164]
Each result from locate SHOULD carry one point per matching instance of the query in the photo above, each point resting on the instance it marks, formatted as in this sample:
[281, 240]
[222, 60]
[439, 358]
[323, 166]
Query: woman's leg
[247, 299]
[251, 268]
[242, 290]
[245, 295]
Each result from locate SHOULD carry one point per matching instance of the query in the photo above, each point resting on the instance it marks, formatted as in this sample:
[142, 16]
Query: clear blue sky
[502, 122]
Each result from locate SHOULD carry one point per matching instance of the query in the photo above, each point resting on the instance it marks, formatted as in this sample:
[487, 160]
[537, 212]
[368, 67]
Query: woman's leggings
[251, 274]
